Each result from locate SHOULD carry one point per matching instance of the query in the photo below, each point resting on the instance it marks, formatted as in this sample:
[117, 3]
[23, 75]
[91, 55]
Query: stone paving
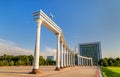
[48, 71]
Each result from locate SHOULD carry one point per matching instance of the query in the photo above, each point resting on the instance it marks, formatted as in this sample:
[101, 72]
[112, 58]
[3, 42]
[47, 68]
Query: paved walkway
[48, 71]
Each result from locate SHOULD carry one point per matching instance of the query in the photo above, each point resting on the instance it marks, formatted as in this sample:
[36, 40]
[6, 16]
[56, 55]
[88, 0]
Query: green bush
[116, 63]
[9, 60]
[1, 63]
[109, 62]
[11, 63]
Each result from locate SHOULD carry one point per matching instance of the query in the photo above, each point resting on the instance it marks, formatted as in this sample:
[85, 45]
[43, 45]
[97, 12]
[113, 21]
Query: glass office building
[91, 50]
[50, 58]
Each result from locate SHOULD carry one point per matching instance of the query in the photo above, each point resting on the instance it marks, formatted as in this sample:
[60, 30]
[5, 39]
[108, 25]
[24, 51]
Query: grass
[110, 71]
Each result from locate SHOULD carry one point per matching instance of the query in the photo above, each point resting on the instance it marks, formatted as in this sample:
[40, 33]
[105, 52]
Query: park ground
[48, 71]
[110, 71]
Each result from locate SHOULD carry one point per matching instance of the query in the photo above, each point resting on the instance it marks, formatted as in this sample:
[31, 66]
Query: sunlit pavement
[48, 71]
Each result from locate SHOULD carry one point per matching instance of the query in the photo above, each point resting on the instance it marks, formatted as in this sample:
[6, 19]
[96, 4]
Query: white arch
[42, 19]
[82, 60]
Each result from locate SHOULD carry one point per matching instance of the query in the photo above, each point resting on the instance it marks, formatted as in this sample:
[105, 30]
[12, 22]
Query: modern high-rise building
[50, 58]
[92, 50]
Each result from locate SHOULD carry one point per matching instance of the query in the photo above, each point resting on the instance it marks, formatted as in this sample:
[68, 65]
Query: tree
[116, 63]
[110, 61]
[1, 63]
[118, 59]
[11, 63]
[103, 62]
[41, 60]
[30, 59]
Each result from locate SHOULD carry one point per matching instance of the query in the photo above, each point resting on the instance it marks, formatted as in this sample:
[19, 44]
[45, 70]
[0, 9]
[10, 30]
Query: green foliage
[103, 62]
[116, 63]
[4, 63]
[1, 63]
[50, 62]
[9, 60]
[42, 61]
[11, 63]
[110, 62]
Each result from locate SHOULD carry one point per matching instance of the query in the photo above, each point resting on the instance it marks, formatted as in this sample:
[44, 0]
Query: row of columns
[84, 61]
[64, 56]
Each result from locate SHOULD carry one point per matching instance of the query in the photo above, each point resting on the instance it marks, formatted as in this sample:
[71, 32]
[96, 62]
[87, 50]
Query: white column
[61, 55]
[84, 61]
[80, 60]
[74, 59]
[71, 58]
[91, 62]
[58, 53]
[37, 48]
[87, 62]
[67, 56]
[64, 57]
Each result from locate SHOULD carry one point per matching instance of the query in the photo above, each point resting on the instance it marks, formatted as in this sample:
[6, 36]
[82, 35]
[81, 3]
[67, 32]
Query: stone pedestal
[57, 69]
[35, 71]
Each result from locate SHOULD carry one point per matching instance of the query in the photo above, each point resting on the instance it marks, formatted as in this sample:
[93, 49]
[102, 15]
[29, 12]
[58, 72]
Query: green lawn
[110, 71]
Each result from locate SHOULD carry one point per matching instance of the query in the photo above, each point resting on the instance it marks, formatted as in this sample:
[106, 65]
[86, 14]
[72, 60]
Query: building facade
[50, 58]
[92, 50]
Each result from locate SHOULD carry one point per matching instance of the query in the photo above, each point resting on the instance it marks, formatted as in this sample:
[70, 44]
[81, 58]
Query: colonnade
[64, 56]
[85, 61]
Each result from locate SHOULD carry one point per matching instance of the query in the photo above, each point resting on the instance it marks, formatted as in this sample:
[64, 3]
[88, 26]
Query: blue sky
[81, 21]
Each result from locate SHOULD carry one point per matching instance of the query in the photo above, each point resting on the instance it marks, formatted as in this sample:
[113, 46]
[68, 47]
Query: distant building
[91, 50]
[50, 57]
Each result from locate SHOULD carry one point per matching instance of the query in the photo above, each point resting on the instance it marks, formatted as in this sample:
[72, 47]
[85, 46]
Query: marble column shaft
[37, 46]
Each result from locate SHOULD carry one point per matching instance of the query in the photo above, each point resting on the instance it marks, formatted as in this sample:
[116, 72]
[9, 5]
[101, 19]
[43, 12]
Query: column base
[57, 69]
[61, 67]
[35, 71]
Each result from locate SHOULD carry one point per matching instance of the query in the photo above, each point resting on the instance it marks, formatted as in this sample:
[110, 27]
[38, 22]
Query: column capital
[58, 35]
[38, 20]
[39, 23]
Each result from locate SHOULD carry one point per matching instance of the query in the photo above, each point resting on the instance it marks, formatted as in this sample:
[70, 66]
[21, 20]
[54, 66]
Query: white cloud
[11, 48]
[6, 41]
[48, 52]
